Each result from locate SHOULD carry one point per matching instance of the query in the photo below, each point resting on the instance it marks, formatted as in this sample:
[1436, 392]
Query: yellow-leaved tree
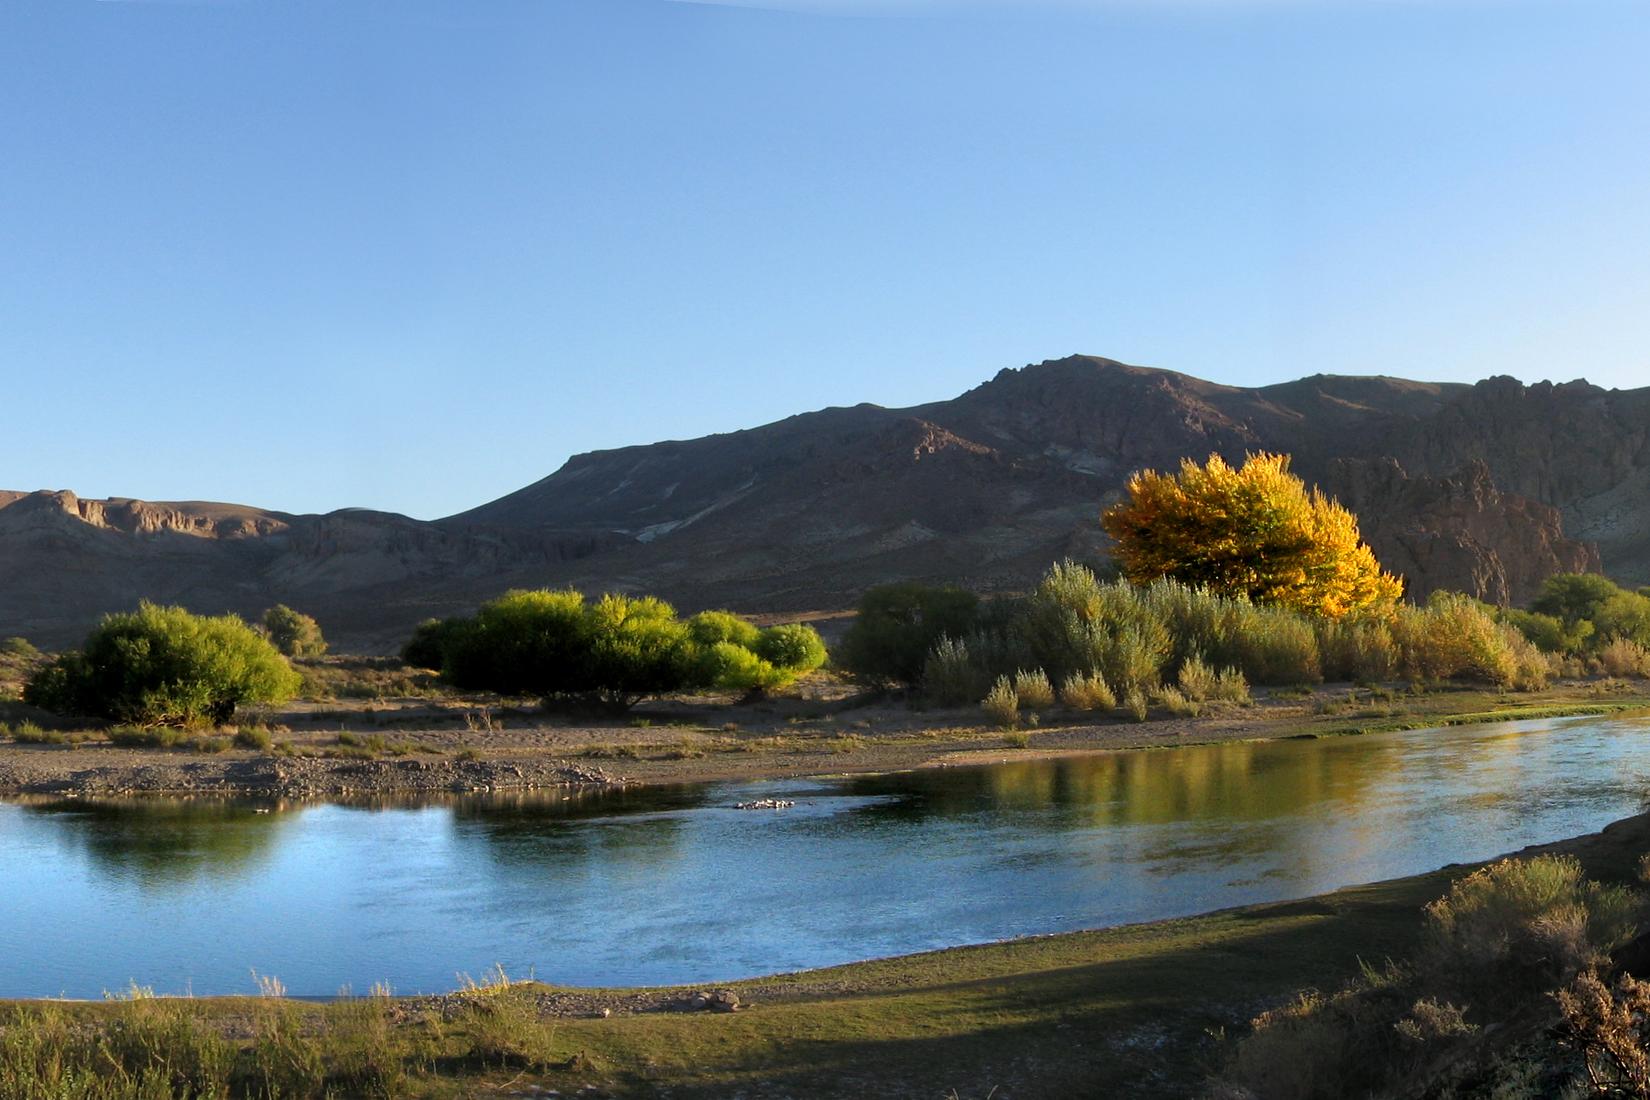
[1254, 531]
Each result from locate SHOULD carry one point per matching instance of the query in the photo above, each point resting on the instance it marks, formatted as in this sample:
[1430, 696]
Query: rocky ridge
[1488, 488]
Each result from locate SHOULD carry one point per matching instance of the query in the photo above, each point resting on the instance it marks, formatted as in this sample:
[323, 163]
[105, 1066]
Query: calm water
[674, 885]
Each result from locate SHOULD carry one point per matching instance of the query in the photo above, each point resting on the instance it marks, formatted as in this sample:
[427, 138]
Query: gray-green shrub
[950, 678]
[1001, 704]
[1087, 692]
[1033, 690]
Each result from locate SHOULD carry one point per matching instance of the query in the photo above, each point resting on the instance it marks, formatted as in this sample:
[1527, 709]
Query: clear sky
[411, 255]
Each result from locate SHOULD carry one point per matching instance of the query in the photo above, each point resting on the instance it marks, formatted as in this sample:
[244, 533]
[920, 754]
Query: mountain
[1488, 487]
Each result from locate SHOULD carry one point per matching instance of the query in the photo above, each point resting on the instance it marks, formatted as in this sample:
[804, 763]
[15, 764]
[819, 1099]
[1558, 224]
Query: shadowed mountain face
[1489, 488]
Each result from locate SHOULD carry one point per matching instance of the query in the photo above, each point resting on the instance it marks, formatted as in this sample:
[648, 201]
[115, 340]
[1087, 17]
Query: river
[673, 884]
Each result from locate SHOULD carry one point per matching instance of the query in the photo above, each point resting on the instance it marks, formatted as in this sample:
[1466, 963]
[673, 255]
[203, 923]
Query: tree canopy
[1253, 531]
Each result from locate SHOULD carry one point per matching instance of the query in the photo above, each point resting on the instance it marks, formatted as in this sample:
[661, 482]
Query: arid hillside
[1488, 488]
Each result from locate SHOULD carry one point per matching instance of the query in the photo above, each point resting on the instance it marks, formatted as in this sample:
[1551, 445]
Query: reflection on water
[672, 884]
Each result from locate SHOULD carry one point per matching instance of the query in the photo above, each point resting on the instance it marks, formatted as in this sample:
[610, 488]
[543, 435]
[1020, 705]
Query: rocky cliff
[1487, 488]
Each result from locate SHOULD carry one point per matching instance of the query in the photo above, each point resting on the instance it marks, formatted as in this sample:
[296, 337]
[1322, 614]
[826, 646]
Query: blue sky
[411, 255]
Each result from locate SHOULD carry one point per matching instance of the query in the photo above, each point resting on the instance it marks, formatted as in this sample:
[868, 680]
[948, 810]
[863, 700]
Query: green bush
[709, 627]
[1573, 597]
[295, 635]
[617, 649]
[897, 627]
[729, 667]
[794, 647]
[427, 648]
[162, 666]
[1580, 613]
[522, 643]
[1549, 633]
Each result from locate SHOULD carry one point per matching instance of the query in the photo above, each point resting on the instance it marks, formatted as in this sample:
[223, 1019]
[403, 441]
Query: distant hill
[1488, 488]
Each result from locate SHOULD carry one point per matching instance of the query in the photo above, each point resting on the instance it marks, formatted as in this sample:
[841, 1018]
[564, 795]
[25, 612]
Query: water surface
[670, 885]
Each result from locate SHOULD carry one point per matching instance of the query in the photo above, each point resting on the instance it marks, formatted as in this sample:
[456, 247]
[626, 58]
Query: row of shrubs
[164, 667]
[1095, 644]
[1197, 685]
[616, 650]
[1131, 641]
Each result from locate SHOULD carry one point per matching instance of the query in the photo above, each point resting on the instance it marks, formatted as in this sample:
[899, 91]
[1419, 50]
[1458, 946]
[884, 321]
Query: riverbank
[430, 746]
[1135, 1010]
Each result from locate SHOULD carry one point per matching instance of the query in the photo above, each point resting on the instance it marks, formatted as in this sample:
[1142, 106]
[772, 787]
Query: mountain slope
[1481, 487]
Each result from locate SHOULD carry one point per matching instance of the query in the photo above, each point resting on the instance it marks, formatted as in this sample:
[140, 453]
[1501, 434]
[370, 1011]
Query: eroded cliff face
[65, 561]
[1487, 488]
[1458, 532]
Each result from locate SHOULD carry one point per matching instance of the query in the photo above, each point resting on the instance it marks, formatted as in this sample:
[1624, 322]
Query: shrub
[427, 648]
[19, 648]
[522, 643]
[295, 635]
[1534, 923]
[1548, 632]
[1134, 701]
[1231, 687]
[617, 649]
[1197, 680]
[1171, 700]
[793, 647]
[1033, 689]
[1609, 1028]
[1133, 657]
[1001, 705]
[1625, 658]
[1574, 597]
[165, 666]
[253, 737]
[1453, 637]
[1357, 649]
[1089, 692]
[898, 625]
[710, 627]
[949, 677]
[1279, 648]
[729, 667]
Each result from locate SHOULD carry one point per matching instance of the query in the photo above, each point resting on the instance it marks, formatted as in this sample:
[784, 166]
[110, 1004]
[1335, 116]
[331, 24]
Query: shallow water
[673, 885]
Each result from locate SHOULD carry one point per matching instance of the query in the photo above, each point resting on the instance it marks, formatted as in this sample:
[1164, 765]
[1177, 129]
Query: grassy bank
[1128, 1011]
